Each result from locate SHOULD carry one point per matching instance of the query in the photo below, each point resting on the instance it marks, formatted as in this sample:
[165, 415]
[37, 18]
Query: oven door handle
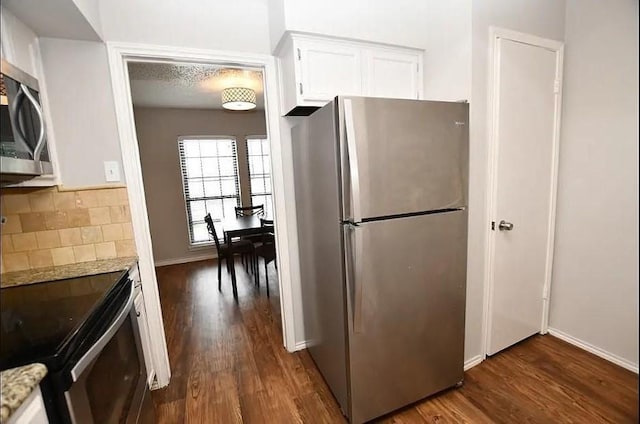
[97, 347]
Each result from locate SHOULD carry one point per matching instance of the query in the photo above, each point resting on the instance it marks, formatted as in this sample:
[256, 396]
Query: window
[210, 181]
[260, 173]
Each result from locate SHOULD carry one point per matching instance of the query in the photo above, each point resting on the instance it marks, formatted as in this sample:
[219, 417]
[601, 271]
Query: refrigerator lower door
[406, 307]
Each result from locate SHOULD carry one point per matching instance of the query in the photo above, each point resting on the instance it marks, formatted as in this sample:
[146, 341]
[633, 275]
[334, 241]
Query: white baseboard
[301, 345]
[470, 363]
[175, 261]
[595, 350]
[152, 381]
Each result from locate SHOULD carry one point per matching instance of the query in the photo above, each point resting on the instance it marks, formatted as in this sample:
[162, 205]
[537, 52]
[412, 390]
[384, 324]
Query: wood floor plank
[454, 406]
[312, 409]
[229, 365]
[170, 412]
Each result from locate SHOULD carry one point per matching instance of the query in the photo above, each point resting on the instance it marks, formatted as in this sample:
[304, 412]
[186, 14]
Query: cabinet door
[144, 335]
[393, 74]
[328, 69]
[32, 410]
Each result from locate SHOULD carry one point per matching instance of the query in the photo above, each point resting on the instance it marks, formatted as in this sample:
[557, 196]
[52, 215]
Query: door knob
[505, 226]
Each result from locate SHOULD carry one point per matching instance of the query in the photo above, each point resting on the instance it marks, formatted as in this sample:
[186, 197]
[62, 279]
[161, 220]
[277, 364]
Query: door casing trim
[119, 55]
[495, 35]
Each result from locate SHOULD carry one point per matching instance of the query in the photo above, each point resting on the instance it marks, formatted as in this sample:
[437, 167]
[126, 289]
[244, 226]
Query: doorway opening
[197, 157]
[120, 56]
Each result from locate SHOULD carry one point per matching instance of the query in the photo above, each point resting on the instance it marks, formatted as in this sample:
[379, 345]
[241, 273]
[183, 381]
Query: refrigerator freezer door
[402, 156]
[406, 308]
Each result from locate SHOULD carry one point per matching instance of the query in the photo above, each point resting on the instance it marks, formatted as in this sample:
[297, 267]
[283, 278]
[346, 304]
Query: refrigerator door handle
[354, 175]
[356, 267]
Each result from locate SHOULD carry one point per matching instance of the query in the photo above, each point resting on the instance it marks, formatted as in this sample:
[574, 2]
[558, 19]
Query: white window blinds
[210, 181]
[260, 173]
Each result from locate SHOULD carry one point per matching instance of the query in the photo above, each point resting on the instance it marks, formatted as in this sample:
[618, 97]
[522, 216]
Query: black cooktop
[37, 321]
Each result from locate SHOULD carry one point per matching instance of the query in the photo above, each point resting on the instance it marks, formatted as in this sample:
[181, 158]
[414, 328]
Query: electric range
[85, 331]
[39, 322]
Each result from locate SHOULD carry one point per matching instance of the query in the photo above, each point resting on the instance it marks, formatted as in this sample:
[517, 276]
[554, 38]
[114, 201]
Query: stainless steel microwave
[23, 136]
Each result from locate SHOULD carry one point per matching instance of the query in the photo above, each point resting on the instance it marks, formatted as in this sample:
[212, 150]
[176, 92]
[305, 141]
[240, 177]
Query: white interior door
[525, 116]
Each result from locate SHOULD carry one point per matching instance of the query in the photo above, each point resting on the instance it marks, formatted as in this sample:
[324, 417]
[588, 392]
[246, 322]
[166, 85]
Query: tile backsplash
[51, 226]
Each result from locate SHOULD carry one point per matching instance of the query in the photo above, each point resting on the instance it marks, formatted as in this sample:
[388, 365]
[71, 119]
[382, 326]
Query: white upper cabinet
[315, 69]
[327, 68]
[393, 74]
[19, 44]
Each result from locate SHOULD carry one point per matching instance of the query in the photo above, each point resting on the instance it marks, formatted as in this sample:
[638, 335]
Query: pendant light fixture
[238, 98]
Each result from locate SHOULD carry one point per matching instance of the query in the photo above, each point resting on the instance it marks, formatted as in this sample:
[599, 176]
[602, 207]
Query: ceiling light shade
[238, 98]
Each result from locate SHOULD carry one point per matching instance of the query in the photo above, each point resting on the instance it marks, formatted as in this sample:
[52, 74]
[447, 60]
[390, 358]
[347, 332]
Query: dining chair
[266, 250]
[228, 251]
[257, 210]
[249, 210]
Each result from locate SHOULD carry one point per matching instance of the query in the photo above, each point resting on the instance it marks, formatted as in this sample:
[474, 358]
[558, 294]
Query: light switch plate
[111, 171]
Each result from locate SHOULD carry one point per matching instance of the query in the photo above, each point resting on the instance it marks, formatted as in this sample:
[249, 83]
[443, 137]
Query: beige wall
[47, 227]
[158, 130]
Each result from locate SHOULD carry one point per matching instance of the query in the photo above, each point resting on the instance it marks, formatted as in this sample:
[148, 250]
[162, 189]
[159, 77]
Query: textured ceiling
[190, 86]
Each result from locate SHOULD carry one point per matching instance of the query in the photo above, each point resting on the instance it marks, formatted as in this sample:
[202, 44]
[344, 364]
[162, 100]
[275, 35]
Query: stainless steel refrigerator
[381, 201]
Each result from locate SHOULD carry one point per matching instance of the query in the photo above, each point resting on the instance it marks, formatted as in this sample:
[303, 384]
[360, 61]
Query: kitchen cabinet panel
[18, 43]
[144, 336]
[393, 74]
[314, 69]
[32, 410]
[327, 68]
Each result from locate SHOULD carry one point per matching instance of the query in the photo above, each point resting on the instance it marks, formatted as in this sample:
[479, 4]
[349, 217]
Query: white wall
[447, 64]
[594, 294]
[277, 22]
[55, 18]
[544, 18]
[82, 109]
[402, 22]
[90, 9]
[239, 25]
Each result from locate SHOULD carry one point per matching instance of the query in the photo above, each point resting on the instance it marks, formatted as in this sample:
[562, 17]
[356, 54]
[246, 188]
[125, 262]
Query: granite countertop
[17, 385]
[39, 275]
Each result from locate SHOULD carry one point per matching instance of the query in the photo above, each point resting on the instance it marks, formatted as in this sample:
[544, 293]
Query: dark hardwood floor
[229, 365]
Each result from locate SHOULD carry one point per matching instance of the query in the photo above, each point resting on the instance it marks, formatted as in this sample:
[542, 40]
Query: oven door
[109, 381]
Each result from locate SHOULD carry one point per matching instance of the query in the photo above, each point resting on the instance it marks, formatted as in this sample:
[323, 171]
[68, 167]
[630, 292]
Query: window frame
[270, 193]
[197, 245]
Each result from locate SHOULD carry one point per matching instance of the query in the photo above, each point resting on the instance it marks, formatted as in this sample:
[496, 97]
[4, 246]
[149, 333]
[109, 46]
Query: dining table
[241, 226]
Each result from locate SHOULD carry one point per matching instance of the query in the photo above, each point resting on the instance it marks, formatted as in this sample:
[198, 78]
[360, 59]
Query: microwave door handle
[40, 144]
[16, 122]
